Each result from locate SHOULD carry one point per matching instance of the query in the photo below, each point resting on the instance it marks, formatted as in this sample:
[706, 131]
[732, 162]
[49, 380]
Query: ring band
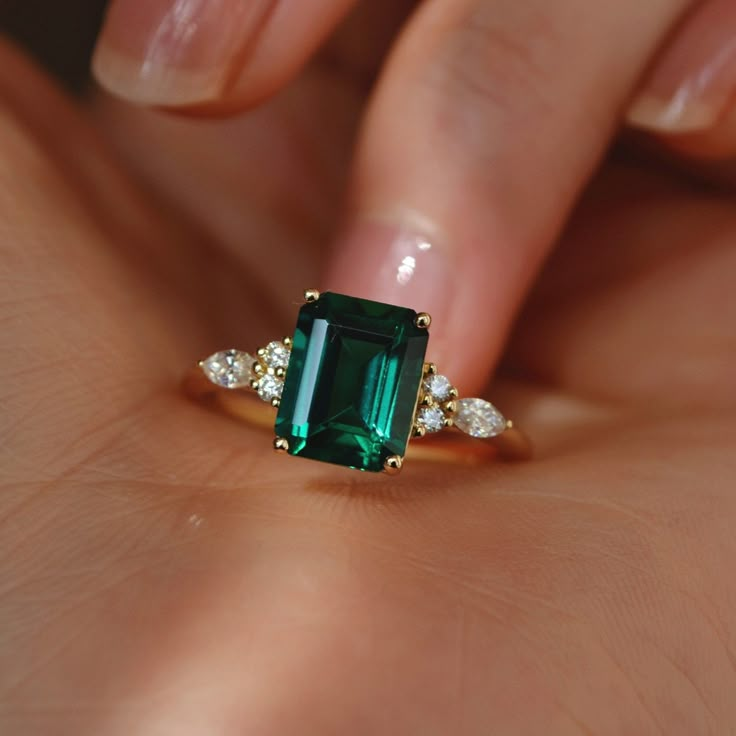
[352, 387]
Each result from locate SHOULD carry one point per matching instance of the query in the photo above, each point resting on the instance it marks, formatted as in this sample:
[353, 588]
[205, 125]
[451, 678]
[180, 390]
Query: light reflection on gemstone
[228, 368]
[479, 418]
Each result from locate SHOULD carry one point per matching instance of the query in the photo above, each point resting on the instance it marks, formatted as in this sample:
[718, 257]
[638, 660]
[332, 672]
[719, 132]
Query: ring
[352, 387]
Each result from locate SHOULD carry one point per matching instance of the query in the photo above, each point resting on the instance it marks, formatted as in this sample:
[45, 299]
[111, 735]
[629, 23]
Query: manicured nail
[691, 85]
[414, 266]
[174, 52]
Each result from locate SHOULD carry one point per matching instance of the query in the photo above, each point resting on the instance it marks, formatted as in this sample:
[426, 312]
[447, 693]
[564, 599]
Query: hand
[162, 573]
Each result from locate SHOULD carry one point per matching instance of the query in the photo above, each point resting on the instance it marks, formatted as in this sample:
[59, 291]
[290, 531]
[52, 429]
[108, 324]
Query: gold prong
[281, 445]
[393, 465]
[280, 372]
[430, 369]
[258, 369]
[261, 352]
[288, 342]
[509, 424]
[201, 364]
[417, 431]
[423, 321]
[454, 393]
[311, 295]
[449, 422]
[449, 407]
[255, 385]
[275, 402]
[426, 400]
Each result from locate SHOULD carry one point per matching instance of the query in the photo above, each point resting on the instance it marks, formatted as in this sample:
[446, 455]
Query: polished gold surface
[423, 320]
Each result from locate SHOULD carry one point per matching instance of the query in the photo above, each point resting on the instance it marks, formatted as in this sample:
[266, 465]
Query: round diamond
[431, 418]
[277, 355]
[479, 418]
[439, 387]
[270, 387]
[229, 368]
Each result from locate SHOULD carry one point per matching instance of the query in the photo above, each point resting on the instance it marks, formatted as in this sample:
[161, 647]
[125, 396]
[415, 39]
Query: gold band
[243, 404]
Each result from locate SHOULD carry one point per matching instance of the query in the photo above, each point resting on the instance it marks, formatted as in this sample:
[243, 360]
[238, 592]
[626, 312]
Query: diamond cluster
[263, 373]
[437, 403]
[439, 407]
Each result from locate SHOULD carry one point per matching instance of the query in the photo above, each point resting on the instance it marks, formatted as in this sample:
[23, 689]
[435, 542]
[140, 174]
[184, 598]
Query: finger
[484, 128]
[208, 53]
[687, 98]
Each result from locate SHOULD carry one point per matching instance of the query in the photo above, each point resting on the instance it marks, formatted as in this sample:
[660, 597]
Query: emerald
[352, 383]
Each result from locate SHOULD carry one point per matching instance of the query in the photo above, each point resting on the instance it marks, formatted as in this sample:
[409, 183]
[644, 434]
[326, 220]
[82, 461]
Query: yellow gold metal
[423, 320]
[311, 295]
[511, 444]
[275, 402]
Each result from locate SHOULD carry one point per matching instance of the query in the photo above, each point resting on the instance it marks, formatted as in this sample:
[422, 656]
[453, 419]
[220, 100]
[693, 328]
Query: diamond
[479, 418]
[439, 387]
[270, 387]
[277, 355]
[431, 418]
[229, 368]
[352, 384]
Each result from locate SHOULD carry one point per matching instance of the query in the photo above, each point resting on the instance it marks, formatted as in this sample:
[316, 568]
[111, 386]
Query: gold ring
[352, 387]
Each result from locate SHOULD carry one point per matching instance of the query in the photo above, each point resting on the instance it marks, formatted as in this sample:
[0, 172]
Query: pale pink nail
[174, 52]
[691, 85]
[415, 268]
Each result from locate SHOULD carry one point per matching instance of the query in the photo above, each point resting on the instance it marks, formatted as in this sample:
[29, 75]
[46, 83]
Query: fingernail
[691, 85]
[411, 265]
[174, 52]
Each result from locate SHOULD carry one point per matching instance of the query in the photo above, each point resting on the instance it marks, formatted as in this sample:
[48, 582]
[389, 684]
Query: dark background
[59, 33]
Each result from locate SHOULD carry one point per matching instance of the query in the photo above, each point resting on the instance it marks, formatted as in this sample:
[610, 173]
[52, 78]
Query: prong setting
[281, 445]
[311, 296]
[423, 320]
[393, 465]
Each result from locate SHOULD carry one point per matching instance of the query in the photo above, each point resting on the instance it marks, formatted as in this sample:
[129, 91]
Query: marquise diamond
[479, 418]
[229, 368]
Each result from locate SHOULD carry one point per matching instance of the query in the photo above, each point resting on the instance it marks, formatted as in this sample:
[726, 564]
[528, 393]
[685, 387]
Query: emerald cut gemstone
[353, 380]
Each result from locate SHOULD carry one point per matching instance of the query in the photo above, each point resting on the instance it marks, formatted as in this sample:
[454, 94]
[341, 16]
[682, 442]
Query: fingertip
[208, 55]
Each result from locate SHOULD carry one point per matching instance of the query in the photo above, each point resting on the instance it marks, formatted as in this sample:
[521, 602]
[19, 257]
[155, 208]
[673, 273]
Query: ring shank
[511, 445]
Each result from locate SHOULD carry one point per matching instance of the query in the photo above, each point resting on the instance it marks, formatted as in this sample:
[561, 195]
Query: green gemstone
[352, 383]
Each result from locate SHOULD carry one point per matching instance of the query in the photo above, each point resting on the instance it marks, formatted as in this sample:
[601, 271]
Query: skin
[163, 573]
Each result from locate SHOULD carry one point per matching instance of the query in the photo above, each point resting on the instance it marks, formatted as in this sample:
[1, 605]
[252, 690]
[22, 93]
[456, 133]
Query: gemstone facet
[276, 355]
[431, 418]
[270, 387]
[354, 375]
[229, 368]
[439, 387]
[479, 418]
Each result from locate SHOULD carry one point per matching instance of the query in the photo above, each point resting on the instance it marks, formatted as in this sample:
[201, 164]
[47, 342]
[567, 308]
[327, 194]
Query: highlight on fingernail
[174, 52]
